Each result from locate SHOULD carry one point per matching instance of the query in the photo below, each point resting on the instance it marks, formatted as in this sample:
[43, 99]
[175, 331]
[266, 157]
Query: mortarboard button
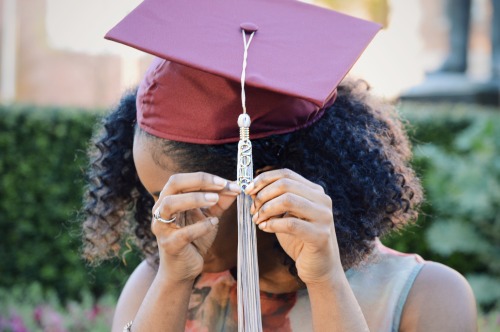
[249, 27]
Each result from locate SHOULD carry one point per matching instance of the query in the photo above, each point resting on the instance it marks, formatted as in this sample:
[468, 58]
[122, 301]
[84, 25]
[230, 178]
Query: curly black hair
[358, 152]
[115, 201]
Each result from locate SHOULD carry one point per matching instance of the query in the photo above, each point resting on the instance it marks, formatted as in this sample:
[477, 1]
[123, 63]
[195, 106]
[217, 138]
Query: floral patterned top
[213, 306]
[381, 285]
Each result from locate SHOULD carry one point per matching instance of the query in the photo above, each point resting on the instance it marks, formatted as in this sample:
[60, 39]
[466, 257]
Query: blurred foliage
[42, 156]
[42, 161]
[457, 154]
[33, 309]
[489, 322]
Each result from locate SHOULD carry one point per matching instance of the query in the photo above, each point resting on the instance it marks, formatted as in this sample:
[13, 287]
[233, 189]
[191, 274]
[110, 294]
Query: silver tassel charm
[249, 313]
[245, 162]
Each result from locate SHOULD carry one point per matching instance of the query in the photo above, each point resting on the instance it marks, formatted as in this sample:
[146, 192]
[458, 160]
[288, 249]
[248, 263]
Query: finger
[170, 205]
[293, 226]
[286, 185]
[295, 205]
[224, 202]
[180, 238]
[200, 181]
[270, 176]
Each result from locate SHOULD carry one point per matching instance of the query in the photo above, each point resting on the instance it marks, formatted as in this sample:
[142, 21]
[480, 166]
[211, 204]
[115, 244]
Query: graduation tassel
[249, 316]
[249, 313]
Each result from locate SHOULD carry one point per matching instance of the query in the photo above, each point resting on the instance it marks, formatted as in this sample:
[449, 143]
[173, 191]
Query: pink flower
[53, 322]
[94, 312]
[17, 324]
[3, 323]
[38, 315]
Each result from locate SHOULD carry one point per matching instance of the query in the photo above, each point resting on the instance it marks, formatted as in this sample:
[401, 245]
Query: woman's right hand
[197, 200]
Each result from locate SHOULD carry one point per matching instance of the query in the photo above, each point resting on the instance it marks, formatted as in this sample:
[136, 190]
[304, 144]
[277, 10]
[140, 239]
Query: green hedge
[42, 161]
[457, 155]
[42, 157]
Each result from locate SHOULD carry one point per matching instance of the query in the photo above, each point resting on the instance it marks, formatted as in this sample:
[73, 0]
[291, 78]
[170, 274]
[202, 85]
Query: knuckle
[323, 236]
[324, 232]
[329, 202]
[203, 177]
[259, 198]
[164, 241]
[169, 245]
[185, 236]
[284, 185]
[165, 201]
[287, 200]
[330, 216]
[325, 216]
[320, 188]
[165, 206]
[263, 209]
[172, 180]
[291, 225]
[154, 228]
[208, 225]
[199, 199]
[270, 224]
[286, 173]
[263, 177]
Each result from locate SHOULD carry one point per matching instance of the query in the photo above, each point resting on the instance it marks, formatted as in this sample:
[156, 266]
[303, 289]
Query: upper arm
[132, 295]
[440, 300]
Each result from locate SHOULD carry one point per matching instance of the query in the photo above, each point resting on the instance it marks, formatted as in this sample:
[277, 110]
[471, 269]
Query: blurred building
[53, 51]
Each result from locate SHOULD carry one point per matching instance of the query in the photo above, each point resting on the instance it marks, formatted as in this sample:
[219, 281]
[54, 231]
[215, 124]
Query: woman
[372, 188]
[331, 166]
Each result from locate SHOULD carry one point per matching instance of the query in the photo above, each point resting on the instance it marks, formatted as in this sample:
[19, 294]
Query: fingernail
[233, 186]
[262, 225]
[255, 217]
[211, 197]
[214, 221]
[220, 181]
[249, 188]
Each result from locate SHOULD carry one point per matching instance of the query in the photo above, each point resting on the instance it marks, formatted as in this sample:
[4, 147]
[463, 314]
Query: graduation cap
[192, 93]
[207, 73]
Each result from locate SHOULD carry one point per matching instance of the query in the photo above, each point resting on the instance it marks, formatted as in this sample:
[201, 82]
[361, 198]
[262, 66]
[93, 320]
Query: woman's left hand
[300, 214]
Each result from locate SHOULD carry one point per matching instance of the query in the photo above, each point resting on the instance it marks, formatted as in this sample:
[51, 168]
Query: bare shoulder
[440, 300]
[132, 295]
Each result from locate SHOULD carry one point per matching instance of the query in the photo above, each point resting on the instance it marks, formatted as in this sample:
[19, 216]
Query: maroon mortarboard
[192, 92]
